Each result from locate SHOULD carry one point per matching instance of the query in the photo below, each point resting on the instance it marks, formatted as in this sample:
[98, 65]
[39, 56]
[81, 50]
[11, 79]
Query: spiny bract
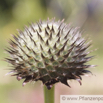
[49, 51]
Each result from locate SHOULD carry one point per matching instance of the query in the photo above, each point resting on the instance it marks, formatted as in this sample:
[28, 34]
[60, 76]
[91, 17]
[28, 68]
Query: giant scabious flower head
[49, 51]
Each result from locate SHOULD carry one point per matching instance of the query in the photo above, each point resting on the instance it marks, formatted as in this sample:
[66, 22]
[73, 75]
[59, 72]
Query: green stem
[48, 95]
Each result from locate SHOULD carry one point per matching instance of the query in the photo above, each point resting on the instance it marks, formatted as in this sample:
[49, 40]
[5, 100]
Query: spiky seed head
[49, 51]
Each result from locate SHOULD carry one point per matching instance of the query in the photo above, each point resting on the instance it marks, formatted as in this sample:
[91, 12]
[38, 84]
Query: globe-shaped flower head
[49, 51]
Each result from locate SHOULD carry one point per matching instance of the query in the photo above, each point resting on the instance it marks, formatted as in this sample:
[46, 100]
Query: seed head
[49, 51]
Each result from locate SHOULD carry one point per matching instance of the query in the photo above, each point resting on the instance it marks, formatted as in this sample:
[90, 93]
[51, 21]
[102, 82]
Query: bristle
[48, 26]
[55, 46]
[58, 41]
[40, 30]
[52, 29]
[52, 59]
[42, 56]
[46, 32]
[41, 47]
[58, 34]
[32, 28]
[47, 42]
[49, 51]
[60, 24]
[50, 37]
[67, 34]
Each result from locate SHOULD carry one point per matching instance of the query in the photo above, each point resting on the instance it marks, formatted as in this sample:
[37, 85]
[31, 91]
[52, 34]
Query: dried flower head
[49, 51]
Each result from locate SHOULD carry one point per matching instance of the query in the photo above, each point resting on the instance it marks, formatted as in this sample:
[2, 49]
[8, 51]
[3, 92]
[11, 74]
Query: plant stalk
[48, 95]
